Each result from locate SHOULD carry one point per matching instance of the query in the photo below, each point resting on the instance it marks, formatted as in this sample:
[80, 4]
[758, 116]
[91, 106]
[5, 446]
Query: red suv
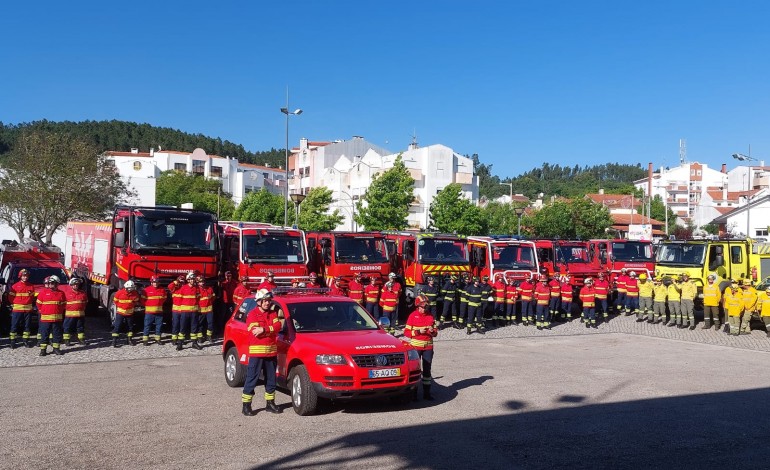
[329, 347]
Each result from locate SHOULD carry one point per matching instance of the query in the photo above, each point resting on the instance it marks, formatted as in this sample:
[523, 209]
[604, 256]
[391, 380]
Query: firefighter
[21, 296]
[125, 300]
[763, 309]
[461, 316]
[206, 297]
[372, 296]
[226, 303]
[240, 293]
[176, 306]
[712, 297]
[499, 316]
[487, 297]
[295, 283]
[397, 288]
[688, 291]
[356, 289]
[449, 304]
[51, 303]
[313, 281]
[645, 299]
[566, 297]
[660, 295]
[620, 286]
[733, 306]
[420, 329]
[602, 288]
[263, 325]
[674, 296]
[475, 317]
[542, 297]
[526, 292]
[268, 282]
[188, 312]
[511, 295]
[749, 304]
[75, 311]
[155, 296]
[632, 294]
[337, 288]
[554, 302]
[588, 300]
[431, 292]
[388, 304]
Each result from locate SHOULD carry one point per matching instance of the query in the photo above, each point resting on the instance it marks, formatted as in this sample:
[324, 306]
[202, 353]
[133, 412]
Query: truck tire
[235, 373]
[111, 309]
[304, 398]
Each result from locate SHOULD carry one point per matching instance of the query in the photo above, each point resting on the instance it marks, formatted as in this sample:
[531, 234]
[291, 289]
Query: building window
[760, 232]
[216, 171]
[137, 165]
[700, 172]
[180, 167]
[199, 167]
[439, 165]
[301, 172]
[307, 171]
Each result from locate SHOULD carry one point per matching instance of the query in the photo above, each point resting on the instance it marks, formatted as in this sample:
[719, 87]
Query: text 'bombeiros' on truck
[252, 249]
[141, 242]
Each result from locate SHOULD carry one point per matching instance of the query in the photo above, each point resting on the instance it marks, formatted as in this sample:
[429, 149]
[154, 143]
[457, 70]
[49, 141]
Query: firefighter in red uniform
[125, 300]
[372, 297]
[313, 281]
[511, 295]
[526, 292]
[397, 289]
[554, 303]
[51, 303]
[388, 303]
[206, 299]
[499, 287]
[356, 289]
[632, 294]
[269, 282]
[263, 324]
[155, 296]
[75, 311]
[620, 285]
[227, 302]
[566, 297]
[176, 306]
[602, 288]
[21, 296]
[542, 296]
[420, 329]
[241, 292]
[588, 299]
[337, 288]
[188, 312]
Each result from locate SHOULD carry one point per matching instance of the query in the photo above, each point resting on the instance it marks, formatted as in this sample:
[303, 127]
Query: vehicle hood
[352, 342]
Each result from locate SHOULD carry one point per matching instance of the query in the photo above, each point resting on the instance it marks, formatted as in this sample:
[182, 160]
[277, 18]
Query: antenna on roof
[682, 151]
[413, 145]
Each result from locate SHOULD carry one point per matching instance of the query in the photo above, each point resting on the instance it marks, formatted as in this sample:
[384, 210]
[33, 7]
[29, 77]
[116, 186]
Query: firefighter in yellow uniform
[659, 292]
[763, 308]
[749, 304]
[674, 306]
[733, 306]
[689, 290]
[645, 299]
[712, 297]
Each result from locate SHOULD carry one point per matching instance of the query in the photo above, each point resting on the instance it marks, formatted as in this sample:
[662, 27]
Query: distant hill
[123, 136]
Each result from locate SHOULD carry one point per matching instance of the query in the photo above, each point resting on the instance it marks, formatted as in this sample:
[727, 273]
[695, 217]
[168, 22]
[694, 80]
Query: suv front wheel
[303, 397]
[235, 373]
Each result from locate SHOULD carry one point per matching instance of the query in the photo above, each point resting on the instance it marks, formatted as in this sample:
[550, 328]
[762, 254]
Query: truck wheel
[303, 395]
[235, 373]
[113, 311]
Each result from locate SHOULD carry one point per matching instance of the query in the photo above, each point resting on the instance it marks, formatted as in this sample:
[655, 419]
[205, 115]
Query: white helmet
[190, 275]
[392, 275]
[632, 274]
[54, 278]
[262, 294]
[75, 280]
[129, 285]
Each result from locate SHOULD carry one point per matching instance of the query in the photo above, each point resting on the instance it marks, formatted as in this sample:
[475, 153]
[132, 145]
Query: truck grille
[370, 360]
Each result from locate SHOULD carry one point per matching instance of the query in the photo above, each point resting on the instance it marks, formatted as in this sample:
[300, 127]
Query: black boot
[272, 407]
[247, 411]
[179, 348]
[13, 343]
[114, 341]
[195, 345]
[146, 341]
[58, 351]
[468, 330]
[426, 393]
[29, 343]
[82, 341]
[43, 352]
[129, 341]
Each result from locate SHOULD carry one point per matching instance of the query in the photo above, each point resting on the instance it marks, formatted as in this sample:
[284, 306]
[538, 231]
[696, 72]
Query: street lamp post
[519, 211]
[288, 113]
[297, 198]
[741, 157]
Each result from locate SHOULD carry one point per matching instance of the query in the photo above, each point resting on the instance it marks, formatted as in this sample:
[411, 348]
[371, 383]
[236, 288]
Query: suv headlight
[330, 359]
[413, 355]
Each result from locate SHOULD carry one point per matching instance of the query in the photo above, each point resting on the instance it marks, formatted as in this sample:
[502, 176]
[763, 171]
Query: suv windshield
[632, 251]
[439, 250]
[687, 254]
[273, 248]
[329, 316]
[360, 249]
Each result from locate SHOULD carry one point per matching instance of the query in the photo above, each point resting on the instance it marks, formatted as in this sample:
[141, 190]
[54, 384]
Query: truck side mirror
[119, 240]
[326, 252]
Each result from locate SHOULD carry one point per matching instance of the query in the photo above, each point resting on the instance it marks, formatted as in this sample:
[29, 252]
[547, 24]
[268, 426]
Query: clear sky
[520, 83]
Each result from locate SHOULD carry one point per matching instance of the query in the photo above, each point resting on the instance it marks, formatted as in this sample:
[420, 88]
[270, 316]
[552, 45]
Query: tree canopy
[49, 178]
[385, 205]
[261, 206]
[175, 188]
[450, 212]
[577, 218]
[314, 211]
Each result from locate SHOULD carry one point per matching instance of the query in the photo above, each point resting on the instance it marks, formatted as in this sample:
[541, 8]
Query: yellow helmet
[643, 276]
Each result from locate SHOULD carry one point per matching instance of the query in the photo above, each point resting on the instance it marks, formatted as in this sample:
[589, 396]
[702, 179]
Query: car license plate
[377, 373]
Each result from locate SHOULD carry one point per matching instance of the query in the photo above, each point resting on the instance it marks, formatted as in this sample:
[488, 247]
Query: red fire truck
[560, 257]
[614, 255]
[416, 255]
[138, 243]
[251, 249]
[343, 254]
[514, 258]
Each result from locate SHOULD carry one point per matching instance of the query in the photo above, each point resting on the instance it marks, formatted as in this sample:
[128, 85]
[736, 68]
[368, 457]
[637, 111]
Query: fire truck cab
[516, 259]
[572, 257]
[344, 254]
[614, 255]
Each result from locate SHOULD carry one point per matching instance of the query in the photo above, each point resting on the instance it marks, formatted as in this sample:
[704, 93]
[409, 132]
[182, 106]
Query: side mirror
[119, 240]
[384, 322]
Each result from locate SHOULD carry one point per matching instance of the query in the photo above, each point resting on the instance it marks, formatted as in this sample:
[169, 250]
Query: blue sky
[518, 83]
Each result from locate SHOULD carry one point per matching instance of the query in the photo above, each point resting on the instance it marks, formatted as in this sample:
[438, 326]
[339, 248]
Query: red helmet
[421, 301]
[154, 279]
[313, 275]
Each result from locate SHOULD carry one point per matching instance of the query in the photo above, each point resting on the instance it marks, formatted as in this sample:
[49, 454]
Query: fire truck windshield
[360, 250]
[572, 254]
[513, 256]
[437, 250]
[687, 254]
[632, 251]
[273, 248]
[178, 232]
